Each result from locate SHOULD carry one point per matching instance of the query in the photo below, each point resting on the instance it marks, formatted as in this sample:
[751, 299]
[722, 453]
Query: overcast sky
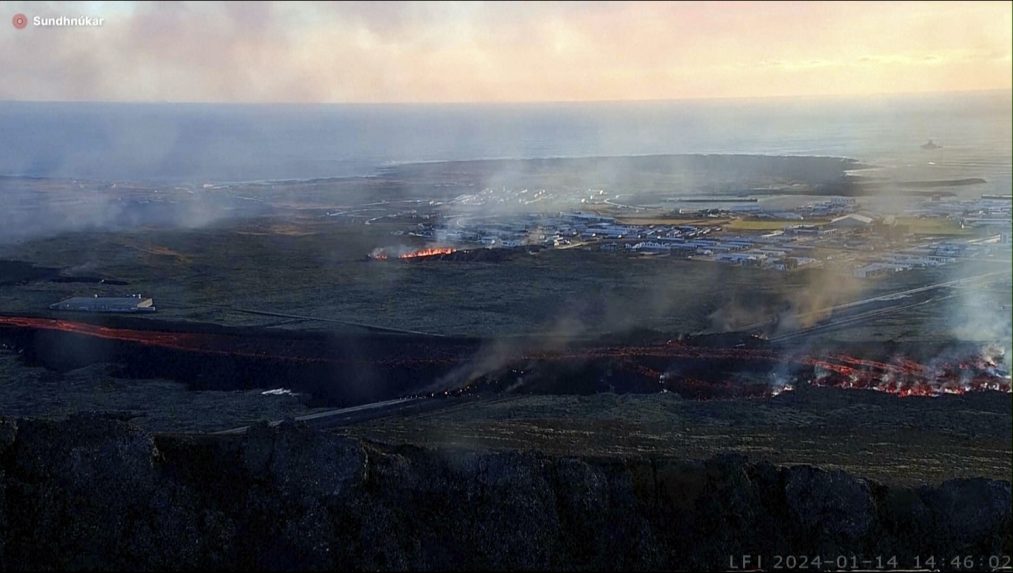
[454, 52]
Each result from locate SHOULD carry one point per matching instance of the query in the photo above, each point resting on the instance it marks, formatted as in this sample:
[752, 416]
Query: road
[343, 415]
[896, 301]
[852, 319]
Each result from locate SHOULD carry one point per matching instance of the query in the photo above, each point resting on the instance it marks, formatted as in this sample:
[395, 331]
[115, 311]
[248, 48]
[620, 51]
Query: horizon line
[521, 102]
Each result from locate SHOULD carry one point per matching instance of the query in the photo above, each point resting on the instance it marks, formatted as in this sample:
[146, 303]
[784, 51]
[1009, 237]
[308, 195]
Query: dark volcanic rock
[831, 502]
[96, 493]
[966, 509]
[22, 272]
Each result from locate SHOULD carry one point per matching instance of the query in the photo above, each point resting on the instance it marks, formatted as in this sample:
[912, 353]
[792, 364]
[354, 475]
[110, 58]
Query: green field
[934, 226]
[662, 220]
[941, 436]
[767, 224]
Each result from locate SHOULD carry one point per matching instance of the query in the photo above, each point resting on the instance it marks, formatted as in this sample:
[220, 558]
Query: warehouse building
[852, 221]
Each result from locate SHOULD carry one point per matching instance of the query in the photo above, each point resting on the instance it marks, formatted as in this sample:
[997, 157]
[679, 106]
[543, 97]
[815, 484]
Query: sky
[501, 52]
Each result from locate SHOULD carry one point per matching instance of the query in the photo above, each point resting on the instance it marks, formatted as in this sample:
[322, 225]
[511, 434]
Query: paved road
[342, 415]
[897, 301]
[897, 298]
[849, 319]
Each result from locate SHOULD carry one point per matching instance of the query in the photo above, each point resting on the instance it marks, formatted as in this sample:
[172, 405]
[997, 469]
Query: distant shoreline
[393, 169]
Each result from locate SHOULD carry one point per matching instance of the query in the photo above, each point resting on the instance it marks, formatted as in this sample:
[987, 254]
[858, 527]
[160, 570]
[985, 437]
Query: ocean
[200, 143]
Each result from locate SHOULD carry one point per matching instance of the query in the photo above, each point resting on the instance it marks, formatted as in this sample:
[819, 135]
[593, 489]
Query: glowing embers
[905, 377]
[430, 252]
[410, 255]
[707, 372]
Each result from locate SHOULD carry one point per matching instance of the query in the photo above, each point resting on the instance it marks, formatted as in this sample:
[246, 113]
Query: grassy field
[767, 224]
[941, 438]
[727, 223]
[916, 225]
[936, 226]
[662, 220]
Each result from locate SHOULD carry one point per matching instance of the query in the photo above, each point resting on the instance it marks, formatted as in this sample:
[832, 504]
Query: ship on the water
[130, 304]
[931, 145]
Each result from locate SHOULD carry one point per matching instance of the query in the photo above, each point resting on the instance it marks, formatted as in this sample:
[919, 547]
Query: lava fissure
[698, 371]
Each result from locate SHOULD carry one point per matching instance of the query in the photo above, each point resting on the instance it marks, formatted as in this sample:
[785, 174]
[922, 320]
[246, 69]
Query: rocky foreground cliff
[96, 493]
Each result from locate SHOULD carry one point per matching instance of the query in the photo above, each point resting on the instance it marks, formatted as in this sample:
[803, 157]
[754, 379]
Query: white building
[852, 221]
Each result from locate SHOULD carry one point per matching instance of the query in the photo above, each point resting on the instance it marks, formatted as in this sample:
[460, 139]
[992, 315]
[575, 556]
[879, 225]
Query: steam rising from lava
[906, 377]
[723, 372]
[693, 370]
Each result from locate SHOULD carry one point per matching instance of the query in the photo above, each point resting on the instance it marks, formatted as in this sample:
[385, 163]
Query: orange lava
[427, 252]
[181, 341]
[899, 375]
[202, 343]
[905, 377]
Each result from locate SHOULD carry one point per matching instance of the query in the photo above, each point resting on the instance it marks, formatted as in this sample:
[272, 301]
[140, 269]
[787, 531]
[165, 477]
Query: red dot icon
[19, 21]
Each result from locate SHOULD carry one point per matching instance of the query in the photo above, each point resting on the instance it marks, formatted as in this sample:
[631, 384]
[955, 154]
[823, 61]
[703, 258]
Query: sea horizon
[222, 143]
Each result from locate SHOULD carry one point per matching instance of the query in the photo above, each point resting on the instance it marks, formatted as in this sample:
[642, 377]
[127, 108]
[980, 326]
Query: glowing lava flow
[427, 252]
[178, 341]
[905, 377]
[201, 343]
[900, 375]
[224, 344]
[383, 255]
[699, 370]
